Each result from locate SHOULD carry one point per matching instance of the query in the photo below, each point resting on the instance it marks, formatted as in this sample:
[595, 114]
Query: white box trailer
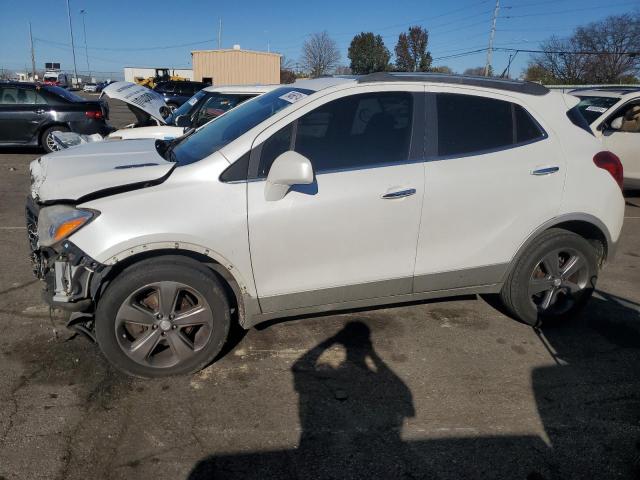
[131, 73]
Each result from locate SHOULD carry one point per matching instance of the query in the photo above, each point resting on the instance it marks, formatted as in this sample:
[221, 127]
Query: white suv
[614, 116]
[321, 195]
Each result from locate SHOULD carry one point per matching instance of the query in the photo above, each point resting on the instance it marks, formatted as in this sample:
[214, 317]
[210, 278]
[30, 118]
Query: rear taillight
[611, 163]
[96, 114]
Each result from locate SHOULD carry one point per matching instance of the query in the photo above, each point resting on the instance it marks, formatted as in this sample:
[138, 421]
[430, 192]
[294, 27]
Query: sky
[162, 33]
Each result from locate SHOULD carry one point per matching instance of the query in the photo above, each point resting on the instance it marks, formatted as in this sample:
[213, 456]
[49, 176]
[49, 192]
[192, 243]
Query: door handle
[40, 111]
[399, 194]
[545, 170]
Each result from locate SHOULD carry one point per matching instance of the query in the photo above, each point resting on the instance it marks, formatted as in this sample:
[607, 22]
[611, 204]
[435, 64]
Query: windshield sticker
[591, 108]
[193, 101]
[293, 96]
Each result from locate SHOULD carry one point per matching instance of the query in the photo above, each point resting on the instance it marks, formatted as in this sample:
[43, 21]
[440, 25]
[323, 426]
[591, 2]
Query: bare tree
[600, 52]
[614, 37]
[320, 54]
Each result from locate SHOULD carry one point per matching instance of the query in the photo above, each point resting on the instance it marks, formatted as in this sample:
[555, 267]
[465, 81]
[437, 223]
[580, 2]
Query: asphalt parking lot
[442, 390]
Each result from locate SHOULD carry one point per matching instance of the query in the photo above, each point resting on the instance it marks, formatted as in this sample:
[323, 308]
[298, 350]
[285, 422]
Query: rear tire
[46, 141]
[161, 317]
[552, 280]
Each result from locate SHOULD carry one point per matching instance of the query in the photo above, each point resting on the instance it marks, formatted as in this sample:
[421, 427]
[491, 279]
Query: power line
[142, 49]
[526, 15]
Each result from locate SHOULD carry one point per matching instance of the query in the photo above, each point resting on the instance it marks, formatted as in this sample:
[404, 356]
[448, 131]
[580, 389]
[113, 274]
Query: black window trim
[544, 135]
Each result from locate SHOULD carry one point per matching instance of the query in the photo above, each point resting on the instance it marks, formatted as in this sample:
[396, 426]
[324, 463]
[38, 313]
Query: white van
[58, 79]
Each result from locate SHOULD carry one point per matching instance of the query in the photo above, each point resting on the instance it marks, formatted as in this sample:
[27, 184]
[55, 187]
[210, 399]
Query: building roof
[242, 88]
[227, 50]
[477, 81]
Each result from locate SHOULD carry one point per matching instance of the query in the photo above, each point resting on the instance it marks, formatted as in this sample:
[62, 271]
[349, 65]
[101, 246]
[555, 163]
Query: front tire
[162, 317]
[552, 280]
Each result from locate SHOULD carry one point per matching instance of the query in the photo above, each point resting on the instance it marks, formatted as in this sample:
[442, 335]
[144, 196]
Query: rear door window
[469, 124]
[8, 96]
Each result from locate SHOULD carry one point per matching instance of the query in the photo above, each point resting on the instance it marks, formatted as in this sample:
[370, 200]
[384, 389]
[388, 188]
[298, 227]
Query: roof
[613, 92]
[241, 50]
[529, 88]
[242, 88]
[321, 83]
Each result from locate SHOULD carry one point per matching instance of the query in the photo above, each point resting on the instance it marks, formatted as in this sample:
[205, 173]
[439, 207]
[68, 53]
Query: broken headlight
[57, 222]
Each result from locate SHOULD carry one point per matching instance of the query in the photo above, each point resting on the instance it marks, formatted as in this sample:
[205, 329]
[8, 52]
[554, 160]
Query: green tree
[411, 51]
[477, 71]
[368, 54]
[441, 69]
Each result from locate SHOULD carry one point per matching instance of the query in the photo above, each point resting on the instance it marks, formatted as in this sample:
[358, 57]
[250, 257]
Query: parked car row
[322, 195]
[96, 87]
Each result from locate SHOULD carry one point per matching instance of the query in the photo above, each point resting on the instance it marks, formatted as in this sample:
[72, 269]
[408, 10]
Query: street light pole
[86, 51]
[73, 48]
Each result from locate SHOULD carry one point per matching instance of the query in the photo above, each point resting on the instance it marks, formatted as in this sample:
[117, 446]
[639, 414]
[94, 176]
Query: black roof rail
[529, 88]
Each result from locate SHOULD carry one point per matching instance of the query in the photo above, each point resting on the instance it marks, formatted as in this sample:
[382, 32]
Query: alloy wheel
[51, 143]
[557, 280]
[163, 324]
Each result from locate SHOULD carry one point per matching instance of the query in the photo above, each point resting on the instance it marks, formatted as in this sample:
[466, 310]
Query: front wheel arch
[232, 288]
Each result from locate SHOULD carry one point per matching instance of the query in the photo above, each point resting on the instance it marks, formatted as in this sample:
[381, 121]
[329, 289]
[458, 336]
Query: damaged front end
[71, 277]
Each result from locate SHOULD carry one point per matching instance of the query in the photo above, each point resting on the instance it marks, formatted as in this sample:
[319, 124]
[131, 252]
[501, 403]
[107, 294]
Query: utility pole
[86, 50]
[220, 34]
[33, 56]
[492, 35]
[73, 48]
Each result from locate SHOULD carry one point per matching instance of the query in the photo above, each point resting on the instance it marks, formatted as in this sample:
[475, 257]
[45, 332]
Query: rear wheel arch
[585, 225]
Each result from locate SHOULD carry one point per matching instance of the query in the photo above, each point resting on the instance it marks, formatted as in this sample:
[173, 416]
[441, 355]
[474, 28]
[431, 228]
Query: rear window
[576, 117]
[592, 108]
[61, 92]
[469, 124]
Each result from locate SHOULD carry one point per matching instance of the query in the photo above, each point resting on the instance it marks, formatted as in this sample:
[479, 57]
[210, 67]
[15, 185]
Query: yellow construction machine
[162, 75]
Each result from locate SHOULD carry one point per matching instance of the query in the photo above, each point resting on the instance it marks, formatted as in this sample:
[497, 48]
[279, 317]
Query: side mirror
[616, 123]
[290, 168]
[183, 121]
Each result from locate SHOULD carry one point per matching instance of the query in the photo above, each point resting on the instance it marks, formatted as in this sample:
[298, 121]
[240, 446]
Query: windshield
[226, 128]
[593, 107]
[185, 108]
[72, 97]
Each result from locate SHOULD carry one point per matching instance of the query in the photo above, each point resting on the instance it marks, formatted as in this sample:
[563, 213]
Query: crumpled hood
[89, 168]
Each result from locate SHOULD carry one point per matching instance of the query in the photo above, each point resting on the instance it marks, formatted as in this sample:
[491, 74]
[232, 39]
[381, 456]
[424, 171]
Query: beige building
[235, 67]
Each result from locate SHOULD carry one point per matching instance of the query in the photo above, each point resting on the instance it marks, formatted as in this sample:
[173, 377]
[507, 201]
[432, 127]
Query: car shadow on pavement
[352, 410]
